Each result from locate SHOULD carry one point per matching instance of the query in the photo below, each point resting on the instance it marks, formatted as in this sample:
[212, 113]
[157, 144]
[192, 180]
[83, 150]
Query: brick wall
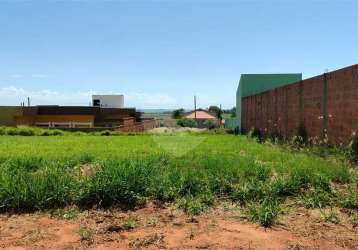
[328, 101]
[138, 126]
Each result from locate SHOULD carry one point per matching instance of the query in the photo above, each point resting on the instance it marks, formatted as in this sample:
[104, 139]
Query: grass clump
[265, 213]
[354, 220]
[317, 199]
[330, 216]
[350, 200]
[197, 205]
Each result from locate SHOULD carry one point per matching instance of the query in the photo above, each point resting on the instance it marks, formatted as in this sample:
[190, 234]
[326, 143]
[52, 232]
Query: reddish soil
[168, 228]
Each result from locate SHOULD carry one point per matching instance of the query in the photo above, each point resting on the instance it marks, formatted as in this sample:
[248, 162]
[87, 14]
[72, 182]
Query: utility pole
[195, 106]
[220, 115]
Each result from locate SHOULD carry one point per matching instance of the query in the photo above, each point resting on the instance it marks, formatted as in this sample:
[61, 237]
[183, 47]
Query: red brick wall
[281, 109]
[138, 126]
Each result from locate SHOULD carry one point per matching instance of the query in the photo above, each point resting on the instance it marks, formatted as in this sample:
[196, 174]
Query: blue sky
[160, 53]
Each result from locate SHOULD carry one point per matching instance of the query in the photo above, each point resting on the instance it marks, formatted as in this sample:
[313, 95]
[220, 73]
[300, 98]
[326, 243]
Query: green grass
[44, 172]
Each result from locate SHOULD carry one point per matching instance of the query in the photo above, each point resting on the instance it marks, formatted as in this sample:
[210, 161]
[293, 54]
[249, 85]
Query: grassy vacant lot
[194, 171]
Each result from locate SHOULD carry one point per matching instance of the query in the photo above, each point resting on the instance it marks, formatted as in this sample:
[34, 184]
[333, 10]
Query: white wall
[109, 101]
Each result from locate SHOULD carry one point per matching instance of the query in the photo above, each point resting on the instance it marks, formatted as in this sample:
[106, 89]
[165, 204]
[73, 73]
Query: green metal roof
[252, 84]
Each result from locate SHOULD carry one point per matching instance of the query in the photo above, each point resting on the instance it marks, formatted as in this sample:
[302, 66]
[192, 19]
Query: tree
[216, 110]
[178, 113]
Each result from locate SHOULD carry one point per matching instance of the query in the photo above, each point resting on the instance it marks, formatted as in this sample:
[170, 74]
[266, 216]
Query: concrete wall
[8, 113]
[109, 101]
[325, 102]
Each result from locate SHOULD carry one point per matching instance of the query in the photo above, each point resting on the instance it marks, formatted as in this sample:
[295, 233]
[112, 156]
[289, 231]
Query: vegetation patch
[54, 173]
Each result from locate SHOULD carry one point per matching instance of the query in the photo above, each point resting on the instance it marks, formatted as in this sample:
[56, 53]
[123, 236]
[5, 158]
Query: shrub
[11, 131]
[45, 132]
[186, 122]
[256, 133]
[106, 133]
[354, 150]
[79, 133]
[57, 132]
[2, 131]
[210, 124]
[301, 137]
[26, 131]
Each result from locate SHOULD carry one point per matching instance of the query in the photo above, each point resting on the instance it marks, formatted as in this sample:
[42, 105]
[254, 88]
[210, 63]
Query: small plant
[152, 222]
[186, 122]
[2, 131]
[85, 234]
[130, 224]
[265, 213]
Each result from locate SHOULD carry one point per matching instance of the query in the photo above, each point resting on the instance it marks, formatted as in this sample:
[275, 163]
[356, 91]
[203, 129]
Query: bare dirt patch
[224, 227]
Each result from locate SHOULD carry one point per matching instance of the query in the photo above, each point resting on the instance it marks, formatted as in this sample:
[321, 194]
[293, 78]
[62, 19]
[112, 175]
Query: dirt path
[168, 228]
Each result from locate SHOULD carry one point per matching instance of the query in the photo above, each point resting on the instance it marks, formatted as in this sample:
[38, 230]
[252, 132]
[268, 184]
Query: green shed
[252, 84]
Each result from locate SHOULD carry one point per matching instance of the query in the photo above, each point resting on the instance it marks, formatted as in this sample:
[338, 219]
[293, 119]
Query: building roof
[251, 84]
[201, 114]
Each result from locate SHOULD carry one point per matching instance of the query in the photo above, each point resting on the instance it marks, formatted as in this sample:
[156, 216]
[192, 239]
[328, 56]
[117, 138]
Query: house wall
[31, 120]
[110, 101]
[8, 113]
[325, 102]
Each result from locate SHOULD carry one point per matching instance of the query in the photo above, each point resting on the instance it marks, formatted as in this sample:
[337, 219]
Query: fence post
[325, 116]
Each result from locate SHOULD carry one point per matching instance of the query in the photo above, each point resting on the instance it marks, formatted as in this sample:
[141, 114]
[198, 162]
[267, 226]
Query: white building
[108, 101]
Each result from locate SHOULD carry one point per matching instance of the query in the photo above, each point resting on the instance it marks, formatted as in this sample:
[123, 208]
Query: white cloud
[11, 95]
